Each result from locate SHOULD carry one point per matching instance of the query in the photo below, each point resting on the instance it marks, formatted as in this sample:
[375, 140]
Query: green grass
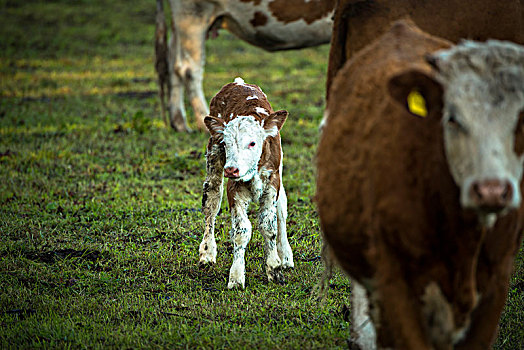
[100, 203]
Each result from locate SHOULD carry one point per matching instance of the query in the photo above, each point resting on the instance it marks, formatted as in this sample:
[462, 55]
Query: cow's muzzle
[492, 195]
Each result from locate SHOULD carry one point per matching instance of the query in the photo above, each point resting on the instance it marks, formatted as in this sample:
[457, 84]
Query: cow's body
[269, 24]
[245, 147]
[359, 22]
[430, 233]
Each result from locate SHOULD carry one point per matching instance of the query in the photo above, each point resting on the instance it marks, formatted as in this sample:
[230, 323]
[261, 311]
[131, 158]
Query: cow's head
[243, 138]
[478, 91]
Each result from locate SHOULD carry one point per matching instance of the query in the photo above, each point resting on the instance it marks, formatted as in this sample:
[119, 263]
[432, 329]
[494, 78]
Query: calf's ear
[215, 126]
[274, 122]
[419, 93]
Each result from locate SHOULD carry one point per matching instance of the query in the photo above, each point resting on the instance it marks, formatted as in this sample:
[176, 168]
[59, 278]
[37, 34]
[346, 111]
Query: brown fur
[259, 19]
[293, 10]
[389, 207]
[359, 22]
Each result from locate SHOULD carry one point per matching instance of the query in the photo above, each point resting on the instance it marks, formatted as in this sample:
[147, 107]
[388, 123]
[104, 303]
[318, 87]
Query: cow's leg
[211, 200]
[240, 235]
[283, 248]
[362, 329]
[268, 223]
[192, 20]
[176, 109]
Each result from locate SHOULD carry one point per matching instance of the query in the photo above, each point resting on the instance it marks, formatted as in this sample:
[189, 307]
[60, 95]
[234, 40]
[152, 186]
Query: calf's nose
[492, 195]
[231, 172]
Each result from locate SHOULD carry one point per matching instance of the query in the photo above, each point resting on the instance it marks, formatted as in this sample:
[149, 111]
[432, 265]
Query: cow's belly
[258, 26]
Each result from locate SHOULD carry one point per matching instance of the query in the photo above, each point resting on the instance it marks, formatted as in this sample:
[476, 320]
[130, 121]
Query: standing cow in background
[269, 24]
[359, 22]
[245, 147]
[421, 200]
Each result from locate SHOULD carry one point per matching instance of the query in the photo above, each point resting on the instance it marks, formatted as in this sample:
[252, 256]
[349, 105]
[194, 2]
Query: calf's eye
[252, 144]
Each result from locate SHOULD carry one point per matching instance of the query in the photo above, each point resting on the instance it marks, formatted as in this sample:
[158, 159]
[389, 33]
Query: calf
[419, 186]
[244, 146]
[269, 24]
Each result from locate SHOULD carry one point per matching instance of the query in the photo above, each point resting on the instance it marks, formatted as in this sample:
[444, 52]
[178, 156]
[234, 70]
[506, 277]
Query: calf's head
[478, 91]
[243, 138]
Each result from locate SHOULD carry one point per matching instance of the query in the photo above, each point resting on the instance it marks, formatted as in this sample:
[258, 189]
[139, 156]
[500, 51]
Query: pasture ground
[100, 215]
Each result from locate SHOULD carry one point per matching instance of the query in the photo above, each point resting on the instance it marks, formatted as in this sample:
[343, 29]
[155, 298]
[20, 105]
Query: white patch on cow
[261, 110]
[323, 122]
[252, 98]
[363, 329]
[438, 316]
[244, 137]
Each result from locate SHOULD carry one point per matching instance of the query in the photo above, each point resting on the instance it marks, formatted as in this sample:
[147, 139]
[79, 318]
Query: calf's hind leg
[283, 248]
[211, 200]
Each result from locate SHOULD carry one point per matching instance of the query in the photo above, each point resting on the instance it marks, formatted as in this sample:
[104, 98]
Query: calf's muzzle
[231, 172]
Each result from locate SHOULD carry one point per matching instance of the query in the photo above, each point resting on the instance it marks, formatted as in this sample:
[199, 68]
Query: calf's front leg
[268, 224]
[240, 236]
[211, 200]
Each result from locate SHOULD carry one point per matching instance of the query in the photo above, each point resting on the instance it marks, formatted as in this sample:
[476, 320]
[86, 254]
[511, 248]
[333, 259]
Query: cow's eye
[252, 144]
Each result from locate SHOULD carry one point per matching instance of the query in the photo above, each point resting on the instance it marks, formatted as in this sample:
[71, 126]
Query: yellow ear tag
[417, 104]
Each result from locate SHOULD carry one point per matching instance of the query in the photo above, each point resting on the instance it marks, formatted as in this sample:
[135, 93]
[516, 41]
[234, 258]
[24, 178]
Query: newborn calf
[244, 146]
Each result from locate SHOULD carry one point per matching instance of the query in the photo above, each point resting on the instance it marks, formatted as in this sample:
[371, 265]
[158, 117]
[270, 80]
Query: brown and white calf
[269, 24]
[425, 213]
[244, 146]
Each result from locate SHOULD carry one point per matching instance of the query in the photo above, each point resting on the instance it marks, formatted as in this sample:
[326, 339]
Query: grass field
[100, 215]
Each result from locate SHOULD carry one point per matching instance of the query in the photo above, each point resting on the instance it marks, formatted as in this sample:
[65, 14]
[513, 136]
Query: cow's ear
[416, 91]
[215, 125]
[274, 122]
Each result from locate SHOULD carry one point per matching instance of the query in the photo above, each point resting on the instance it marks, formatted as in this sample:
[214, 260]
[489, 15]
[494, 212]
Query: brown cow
[245, 147]
[359, 22]
[269, 24]
[425, 213]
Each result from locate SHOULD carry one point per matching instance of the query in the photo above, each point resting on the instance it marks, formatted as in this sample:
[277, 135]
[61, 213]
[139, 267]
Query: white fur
[261, 110]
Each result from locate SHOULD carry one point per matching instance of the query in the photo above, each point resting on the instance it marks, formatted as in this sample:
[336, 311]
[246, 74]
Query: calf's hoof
[208, 253]
[235, 285]
[276, 276]
[287, 263]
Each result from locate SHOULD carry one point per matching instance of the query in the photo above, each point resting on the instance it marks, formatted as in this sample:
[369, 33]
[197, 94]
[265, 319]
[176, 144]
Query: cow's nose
[492, 195]
[231, 172]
